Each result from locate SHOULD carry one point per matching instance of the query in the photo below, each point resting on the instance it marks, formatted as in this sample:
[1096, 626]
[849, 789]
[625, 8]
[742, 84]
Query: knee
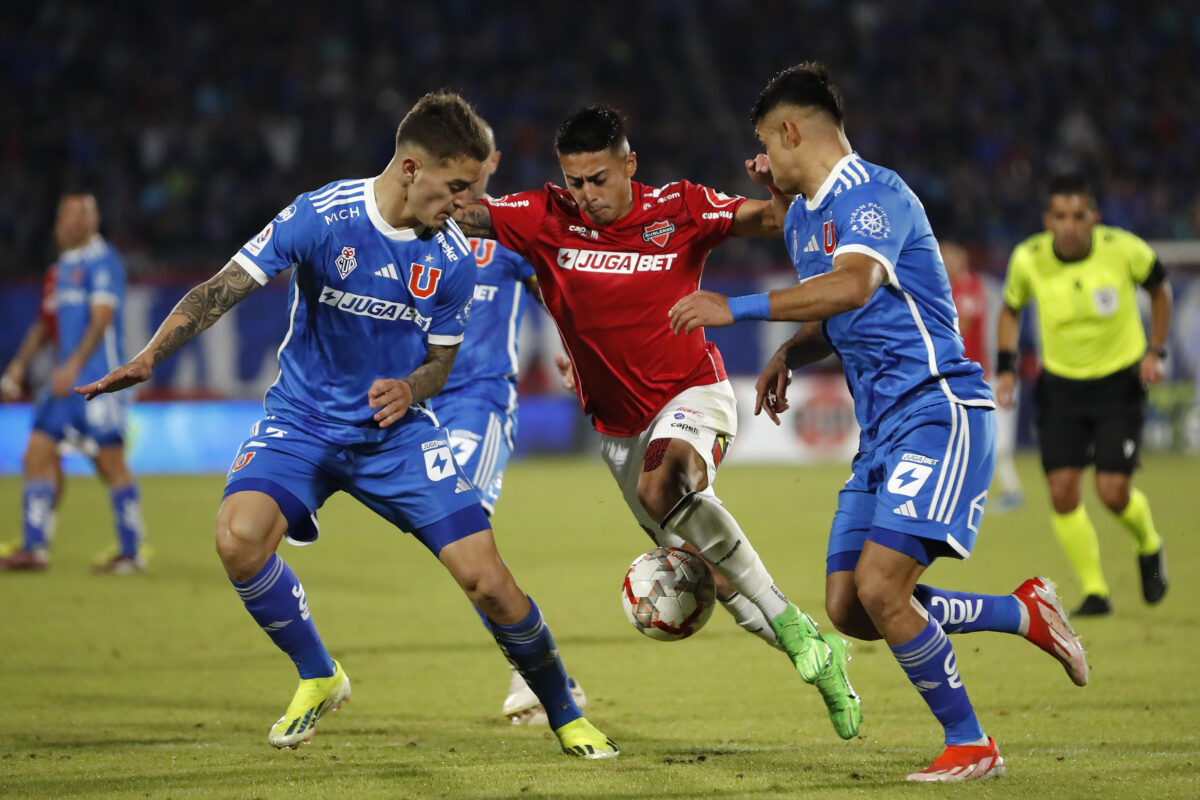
[658, 494]
[495, 593]
[242, 548]
[1114, 495]
[848, 616]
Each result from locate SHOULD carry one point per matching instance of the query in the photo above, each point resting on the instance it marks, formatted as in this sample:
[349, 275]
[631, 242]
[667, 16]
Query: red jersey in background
[970, 297]
[609, 290]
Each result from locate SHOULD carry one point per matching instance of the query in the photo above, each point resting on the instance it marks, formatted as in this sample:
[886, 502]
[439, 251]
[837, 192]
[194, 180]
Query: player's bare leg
[249, 529]
[517, 625]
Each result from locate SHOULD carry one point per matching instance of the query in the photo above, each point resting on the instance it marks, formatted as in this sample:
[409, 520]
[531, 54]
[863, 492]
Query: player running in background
[380, 294]
[873, 290]
[1090, 396]
[89, 293]
[971, 302]
[611, 256]
[478, 405]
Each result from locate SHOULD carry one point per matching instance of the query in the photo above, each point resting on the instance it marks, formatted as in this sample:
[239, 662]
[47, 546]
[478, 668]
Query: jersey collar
[814, 202]
[381, 225]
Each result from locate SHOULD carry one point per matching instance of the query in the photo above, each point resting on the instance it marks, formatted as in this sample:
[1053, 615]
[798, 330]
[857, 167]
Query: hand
[120, 378]
[10, 383]
[701, 310]
[1151, 368]
[392, 397]
[759, 170]
[63, 377]
[564, 369]
[772, 388]
[1006, 383]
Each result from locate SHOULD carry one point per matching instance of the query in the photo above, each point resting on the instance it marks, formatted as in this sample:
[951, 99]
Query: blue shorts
[922, 491]
[86, 424]
[482, 433]
[411, 479]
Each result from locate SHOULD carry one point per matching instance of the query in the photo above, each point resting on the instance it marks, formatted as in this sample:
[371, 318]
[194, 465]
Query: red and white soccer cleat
[963, 763]
[1049, 629]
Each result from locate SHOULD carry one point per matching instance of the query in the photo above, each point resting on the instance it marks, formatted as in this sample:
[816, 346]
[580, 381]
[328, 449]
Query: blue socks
[37, 512]
[530, 648]
[929, 662]
[964, 612]
[275, 598]
[127, 514]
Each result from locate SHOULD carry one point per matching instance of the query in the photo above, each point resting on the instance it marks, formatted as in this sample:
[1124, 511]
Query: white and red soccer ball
[668, 593]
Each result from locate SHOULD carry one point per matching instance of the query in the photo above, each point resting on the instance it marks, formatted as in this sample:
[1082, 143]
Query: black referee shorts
[1082, 422]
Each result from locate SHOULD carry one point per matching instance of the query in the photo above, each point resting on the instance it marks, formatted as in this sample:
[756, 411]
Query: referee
[1090, 396]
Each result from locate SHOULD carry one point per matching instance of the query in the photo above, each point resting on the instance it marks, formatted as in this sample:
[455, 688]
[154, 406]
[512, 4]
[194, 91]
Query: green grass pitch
[161, 686]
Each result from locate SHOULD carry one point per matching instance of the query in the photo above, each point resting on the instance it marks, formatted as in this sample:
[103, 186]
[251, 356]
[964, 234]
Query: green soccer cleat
[582, 739]
[797, 633]
[845, 709]
[315, 697]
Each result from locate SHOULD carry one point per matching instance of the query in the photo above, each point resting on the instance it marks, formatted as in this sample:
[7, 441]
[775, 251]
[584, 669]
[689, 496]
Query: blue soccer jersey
[90, 275]
[902, 350]
[366, 302]
[502, 292]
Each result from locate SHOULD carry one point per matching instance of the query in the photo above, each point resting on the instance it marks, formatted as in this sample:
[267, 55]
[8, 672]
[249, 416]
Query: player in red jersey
[612, 256]
[971, 301]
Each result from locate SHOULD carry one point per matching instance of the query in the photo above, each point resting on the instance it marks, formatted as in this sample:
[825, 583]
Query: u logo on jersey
[484, 251]
[830, 238]
[418, 276]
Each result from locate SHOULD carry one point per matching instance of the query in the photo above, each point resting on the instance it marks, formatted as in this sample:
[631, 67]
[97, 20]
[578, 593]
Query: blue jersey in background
[90, 275]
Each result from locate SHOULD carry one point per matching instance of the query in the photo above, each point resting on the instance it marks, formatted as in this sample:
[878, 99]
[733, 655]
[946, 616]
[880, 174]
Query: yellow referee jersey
[1087, 309]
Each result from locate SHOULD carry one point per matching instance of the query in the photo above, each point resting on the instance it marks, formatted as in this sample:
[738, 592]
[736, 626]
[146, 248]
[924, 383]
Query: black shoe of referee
[1154, 575]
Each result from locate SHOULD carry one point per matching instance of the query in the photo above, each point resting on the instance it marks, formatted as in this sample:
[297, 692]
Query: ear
[630, 164]
[409, 166]
[791, 132]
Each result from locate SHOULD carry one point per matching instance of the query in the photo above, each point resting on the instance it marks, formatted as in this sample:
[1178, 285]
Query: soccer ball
[668, 593]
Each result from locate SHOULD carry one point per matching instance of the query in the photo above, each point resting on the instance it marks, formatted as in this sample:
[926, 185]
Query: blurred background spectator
[196, 123]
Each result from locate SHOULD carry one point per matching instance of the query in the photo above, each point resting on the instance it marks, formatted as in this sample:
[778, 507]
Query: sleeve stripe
[102, 298]
[253, 269]
[445, 340]
[871, 253]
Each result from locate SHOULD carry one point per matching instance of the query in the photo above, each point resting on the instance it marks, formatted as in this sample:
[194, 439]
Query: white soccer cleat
[522, 706]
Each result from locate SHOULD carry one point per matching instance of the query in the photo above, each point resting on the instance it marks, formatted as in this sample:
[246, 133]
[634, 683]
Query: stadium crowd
[191, 123]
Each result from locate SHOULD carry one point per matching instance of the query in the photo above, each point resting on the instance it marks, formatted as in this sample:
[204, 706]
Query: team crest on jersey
[286, 214]
[870, 219]
[658, 232]
[423, 284]
[346, 262]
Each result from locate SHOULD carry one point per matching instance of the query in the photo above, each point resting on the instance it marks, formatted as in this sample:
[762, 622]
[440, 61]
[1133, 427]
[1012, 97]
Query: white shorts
[703, 416]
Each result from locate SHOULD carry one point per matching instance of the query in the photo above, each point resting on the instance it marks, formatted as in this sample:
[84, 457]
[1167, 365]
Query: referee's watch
[1161, 352]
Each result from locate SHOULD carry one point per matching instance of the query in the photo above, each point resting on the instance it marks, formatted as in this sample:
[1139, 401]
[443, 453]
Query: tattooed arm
[393, 397]
[476, 220]
[198, 310]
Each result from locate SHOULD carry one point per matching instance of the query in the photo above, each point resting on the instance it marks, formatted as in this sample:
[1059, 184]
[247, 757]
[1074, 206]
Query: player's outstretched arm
[761, 218]
[475, 219]
[808, 346]
[197, 311]
[392, 397]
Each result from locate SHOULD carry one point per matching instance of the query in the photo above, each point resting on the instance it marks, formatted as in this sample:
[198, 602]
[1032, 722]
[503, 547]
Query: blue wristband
[750, 306]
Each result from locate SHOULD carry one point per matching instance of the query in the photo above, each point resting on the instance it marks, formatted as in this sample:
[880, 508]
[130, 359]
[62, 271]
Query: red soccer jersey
[46, 306]
[609, 290]
[970, 298]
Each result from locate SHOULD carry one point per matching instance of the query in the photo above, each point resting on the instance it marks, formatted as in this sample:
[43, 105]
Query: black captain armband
[1158, 274]
[1006, 361]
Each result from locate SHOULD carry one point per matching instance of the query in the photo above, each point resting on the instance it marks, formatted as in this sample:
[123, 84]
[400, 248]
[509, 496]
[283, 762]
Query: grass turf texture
[161, 686]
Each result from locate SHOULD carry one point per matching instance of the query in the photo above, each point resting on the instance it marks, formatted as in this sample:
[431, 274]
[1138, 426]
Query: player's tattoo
[203, 306]
[654, 454]
[429, 378]
[476, 220]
